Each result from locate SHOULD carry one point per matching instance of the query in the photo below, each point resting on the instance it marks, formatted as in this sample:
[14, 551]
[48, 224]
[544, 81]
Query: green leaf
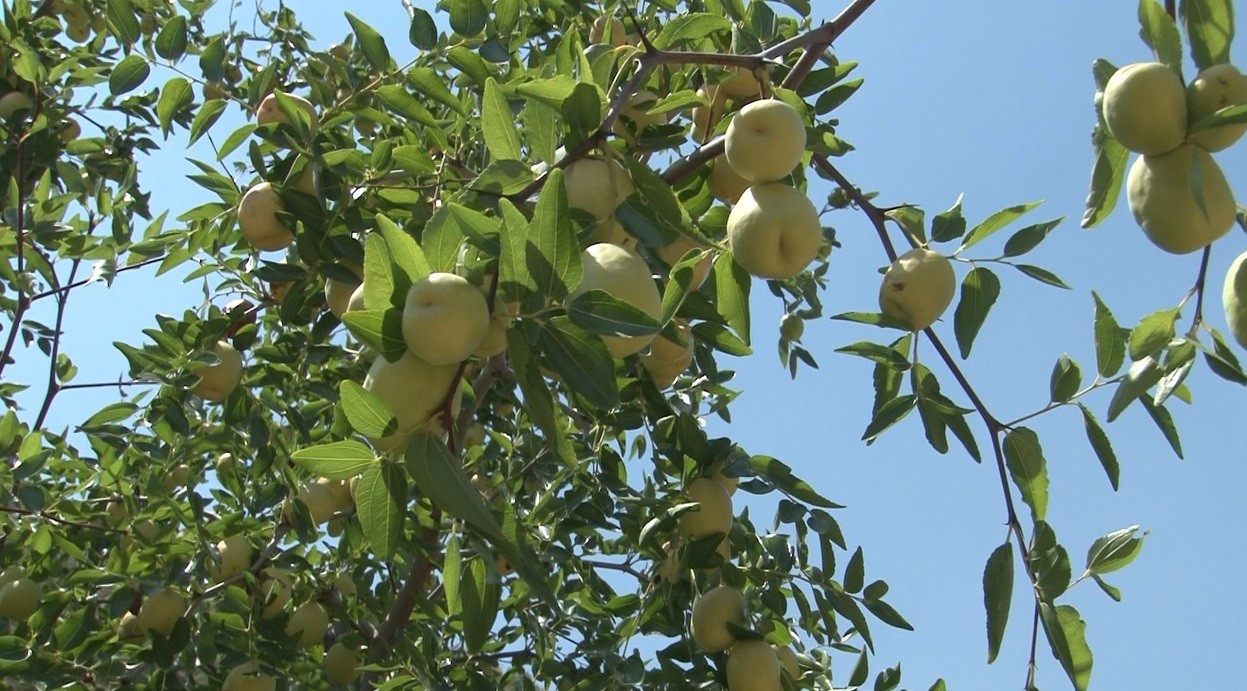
[581, 359]
[371, 42]
[855, 572]
[234, 140]
[1050, 563]
[599, 312]
[1114, 551]
[948, 225]
[468, 17]
[1141, 376]
[657, 193]
[538, 401]
[582, 111]
[553, 255]
[889, 414]
[884, 355]
[171, 41]
[366, 413]
[1065, 380]
[732, 284]
[1107, 175]
[380, 328]
[1222, 360]
[1027, 467]
[997, 596]
[175, 96]
[1152, 334]
[693, 26]
[979, 291]
[1108, 589]
[379, 284]
[995, 222]
[1209, 28]
[335, 460]
[1101, 445]
[720, 338]
[782, 477]
[127, 75]
[481, 594]
[498, 123]
[514, 281]
[911, 220]
[440, 476]
[452, 571]
[404, 251]
[428, 82]
[1067, 634]
[423, 31]
[399, 100]
[123, 21]
[1164, 422]
[1110, 347]
[1160, 33]
[381, 505]
[1042, 275]
[205, 117]
[1029, 237]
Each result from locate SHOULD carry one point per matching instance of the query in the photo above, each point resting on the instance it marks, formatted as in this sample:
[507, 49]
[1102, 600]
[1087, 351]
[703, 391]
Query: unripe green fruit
[1217, 87]
[918, 287]
[711, 613]
[714, 515]
[1145, 108]
[791, 327]
[1160, 190]
[1234, 298]
[19, 598]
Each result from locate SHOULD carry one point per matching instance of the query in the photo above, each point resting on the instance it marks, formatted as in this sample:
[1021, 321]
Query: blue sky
[991, 100]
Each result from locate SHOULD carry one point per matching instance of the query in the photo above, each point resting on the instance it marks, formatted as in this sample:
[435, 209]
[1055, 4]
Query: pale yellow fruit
[666, 359]
[753, 666]
[765, 141]
[19, 598]
[308, 624]
[599, 186]
[670, 570]
[742, 85]
[235, 552]
[268, 110]
[714, 515]
[321, 500]
[161, 612]
[617, 36]
[774, 231]
[341, 665]
[1145, 108]
[307, 181]
[11, 574]
[344, 585]
[225, 464]
[78, 33]
[706, 118]
[445, 318]
[13, 103]
[115, 514]
[71, 131]
[75, 14]
[638, 112]
[218, 381]
[711, 614]
[625, 276]
[724, 182]
[338, 293]
[918, 287]
[178, 476]
[674, 251]
[495, 341]
[788, 661]
[248, 677]
[1161, 194]
[412, 389]
[356, 303]
[213, 91]
[1234, 299]
[128, 626]
[274, 593]
[258, 220]
[1217, 87]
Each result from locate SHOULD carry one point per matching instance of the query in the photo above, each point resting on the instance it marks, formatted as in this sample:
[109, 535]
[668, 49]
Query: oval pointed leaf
[1027, 467]
[997, 596]
[128, 74]
[371, 42]
[336, 460]
[979, 291]
[366, 413]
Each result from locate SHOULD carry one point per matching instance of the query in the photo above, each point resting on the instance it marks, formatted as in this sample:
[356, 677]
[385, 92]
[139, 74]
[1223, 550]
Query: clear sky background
[991, 100]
